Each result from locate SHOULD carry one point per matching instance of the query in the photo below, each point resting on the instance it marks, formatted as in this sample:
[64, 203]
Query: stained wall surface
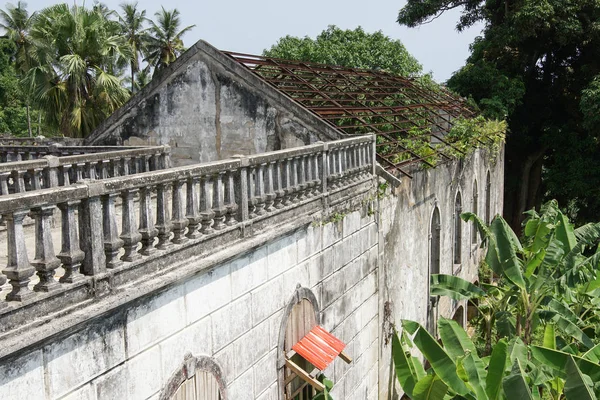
[405, 238]
[208, 107]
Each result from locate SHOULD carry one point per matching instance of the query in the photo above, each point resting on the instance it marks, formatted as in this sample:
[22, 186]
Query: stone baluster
[114, 168]
[3, 280]
[90, 230]
[65, 175]
[45, 261]
[163, 222]
[165, 157]
[205, 205]
[104, 169]
[36, 179]
[278, 184]
[316, 173]
[4, 183]
[230, 199]
[340, 166]
[259, 189]
[18, 270]
[146, 229]
[18, 181]
[241, 188]
[130, 235]
[310, 179]
[70, 254]
[192, 208]
[296, 194]
[288, 190]
[251, 190]
[302, 186]
[218, 205]
[78, 172]
[125, 162]
[270, 194]
[90, 170]
[179, 221]
[112, 242]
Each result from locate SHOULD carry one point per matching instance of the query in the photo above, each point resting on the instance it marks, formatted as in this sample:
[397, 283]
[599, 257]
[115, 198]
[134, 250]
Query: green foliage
[350, 48]
[537, 63]
[324, 395]
[465, 136]
[68, 64]
[539, 319]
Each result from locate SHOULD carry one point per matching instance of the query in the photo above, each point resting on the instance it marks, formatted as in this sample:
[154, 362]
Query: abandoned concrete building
[236, 210]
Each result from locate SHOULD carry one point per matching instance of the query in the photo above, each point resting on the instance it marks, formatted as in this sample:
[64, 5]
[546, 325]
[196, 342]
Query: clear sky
[252, 26]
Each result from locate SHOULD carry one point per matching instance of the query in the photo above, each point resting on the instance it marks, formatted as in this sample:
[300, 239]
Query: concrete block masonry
[231, 301]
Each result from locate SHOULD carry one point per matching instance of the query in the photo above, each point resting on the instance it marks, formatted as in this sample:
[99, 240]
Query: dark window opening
[457, 230]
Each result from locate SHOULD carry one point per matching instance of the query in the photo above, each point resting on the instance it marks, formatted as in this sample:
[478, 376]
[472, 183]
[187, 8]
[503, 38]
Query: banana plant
[548, 278]
[513, 371]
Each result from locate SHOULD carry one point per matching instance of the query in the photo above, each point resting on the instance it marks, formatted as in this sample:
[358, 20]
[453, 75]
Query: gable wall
[208, 107]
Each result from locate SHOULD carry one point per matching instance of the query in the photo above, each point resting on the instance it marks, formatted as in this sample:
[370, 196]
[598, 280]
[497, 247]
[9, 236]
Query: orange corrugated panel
[319, 347]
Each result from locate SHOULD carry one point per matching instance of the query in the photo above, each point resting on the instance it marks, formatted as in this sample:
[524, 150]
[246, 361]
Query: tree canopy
[74, 65]
[537, 63]
[349, 48]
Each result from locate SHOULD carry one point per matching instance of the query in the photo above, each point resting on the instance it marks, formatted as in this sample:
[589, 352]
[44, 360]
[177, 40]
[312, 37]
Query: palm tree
[17, 23]
[165, 43]
[132, 24]
[80, 55]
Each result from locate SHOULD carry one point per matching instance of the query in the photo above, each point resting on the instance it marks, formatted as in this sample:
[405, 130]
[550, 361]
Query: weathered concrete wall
[232, 313]
[404, 242]
[208, 107]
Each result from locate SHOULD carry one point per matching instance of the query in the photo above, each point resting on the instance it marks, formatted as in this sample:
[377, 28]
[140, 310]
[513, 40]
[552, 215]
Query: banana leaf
[496, 369]
[430, 387]
[577, 386]
[454, 287]
[515, 385]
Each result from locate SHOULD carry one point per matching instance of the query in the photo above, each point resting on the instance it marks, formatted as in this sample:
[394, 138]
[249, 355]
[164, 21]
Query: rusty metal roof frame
[356, 101]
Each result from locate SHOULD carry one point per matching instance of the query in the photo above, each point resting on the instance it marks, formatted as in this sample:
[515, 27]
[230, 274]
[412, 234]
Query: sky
[252, 26]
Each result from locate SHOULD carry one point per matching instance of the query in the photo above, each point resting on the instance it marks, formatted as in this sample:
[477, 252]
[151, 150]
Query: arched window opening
[305, 348]
[434, 267]
[488, 199]
[475, 211]
[301, 318]
[197, 379]
[457, 230]
[459, 316]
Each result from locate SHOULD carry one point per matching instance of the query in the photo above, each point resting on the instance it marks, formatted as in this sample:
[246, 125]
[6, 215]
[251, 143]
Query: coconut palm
[80, 55]
[132, 24]
[17, 23]
[165, 43]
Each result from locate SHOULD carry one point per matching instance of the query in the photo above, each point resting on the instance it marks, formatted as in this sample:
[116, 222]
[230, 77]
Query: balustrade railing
[27, 152]
[176, 207]
[51, 171]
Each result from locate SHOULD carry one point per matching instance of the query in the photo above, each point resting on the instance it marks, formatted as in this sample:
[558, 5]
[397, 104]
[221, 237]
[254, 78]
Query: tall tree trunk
[132, 80]
[29, 120]
[528, 176]
[39, 127]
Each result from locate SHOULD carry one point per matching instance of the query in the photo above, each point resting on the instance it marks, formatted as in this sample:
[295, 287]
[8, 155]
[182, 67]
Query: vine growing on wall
[464, 137]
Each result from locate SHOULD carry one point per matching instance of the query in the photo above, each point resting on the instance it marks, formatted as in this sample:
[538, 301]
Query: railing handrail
[167, 210]
[45, 161]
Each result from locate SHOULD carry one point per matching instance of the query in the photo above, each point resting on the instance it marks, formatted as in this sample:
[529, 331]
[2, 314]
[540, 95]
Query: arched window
[434, 267]
[457, 230]
[199, 378]
[488, 199]
[300, 317]
[435, 242]
[475, 211]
